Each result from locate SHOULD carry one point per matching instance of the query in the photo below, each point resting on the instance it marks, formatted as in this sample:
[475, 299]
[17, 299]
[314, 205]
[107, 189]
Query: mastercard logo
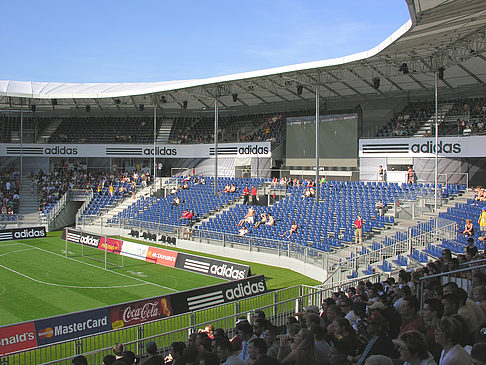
[117, 324]
[45, 333]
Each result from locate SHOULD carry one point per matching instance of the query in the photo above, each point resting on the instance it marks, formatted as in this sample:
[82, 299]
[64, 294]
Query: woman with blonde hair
[303, 349]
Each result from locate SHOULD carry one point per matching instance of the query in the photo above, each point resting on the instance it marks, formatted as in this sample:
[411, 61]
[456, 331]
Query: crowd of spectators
[53, 185]
[9, 191]
[406, 122]
[267, 128]
[371, 323]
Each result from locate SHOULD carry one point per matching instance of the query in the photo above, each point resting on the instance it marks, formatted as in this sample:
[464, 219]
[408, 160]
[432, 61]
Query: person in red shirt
[410, 319]
[358, 232]
[253, 195]
[246, 195]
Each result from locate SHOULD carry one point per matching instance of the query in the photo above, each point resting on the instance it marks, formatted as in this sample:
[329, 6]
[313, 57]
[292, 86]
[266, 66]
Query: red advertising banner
[114, 246]
[17, 337]
[161, 256]
[142, 311]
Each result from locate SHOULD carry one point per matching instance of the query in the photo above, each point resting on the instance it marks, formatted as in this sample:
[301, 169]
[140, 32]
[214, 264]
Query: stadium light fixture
[440, 73]
[376, 83]
[404, 68]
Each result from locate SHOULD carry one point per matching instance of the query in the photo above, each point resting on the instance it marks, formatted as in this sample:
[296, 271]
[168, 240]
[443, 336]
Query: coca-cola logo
[144, 313]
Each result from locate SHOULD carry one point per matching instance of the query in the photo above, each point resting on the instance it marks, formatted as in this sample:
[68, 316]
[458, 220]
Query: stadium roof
[446, 35]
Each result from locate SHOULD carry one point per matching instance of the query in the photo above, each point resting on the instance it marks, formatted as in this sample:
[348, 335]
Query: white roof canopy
[442, 34]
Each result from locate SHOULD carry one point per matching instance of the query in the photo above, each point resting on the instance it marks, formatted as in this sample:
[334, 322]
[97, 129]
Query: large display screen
[338, 136]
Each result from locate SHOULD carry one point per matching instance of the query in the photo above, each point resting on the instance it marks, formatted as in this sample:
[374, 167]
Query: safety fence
[351, 258]
[277, 305]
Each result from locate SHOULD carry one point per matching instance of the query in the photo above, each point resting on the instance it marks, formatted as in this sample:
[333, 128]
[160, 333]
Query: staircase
[164, 131]
[427, 126]
[29, 203]
[44, 136]
[401, 225]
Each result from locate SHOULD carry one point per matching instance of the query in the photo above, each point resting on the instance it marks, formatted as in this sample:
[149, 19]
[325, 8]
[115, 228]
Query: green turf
[39, 281]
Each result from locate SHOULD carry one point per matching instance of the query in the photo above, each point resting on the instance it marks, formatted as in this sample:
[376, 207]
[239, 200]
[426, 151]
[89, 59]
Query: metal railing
[462, 277]
[418, 236]
[277, 305]
[306, 254]
[411, 209]
[414, 237]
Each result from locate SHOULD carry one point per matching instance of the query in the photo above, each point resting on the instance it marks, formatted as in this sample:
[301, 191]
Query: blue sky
[149, 40]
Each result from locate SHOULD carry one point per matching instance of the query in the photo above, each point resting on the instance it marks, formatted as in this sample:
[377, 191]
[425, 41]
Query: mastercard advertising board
[60, 328]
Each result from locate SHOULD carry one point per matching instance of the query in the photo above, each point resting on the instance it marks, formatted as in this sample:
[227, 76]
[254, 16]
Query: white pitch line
[97, 267]
[71, 286]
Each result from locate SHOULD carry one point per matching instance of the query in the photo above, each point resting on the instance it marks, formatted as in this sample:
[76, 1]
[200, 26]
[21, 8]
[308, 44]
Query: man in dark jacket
[154, 358]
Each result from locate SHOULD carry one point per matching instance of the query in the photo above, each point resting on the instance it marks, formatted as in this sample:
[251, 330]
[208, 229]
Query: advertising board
[129, 314]
[22, 233]
[17, 337]
[210, 296]
[60, 328]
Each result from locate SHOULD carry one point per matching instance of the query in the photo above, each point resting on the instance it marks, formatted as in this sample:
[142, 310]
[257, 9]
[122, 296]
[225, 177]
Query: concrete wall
[296, 265]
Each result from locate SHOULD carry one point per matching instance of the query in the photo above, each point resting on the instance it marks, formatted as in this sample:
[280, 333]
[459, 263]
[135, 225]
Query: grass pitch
[38, 280]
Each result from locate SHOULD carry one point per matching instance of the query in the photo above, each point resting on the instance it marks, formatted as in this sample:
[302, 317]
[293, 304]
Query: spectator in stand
[478, 354]
[175, 354]
[271, 340]
[381, 174]
[431, 314]
[258, 353]
[175, 202]
[246, 195]
[248, 218]
[108, 360]
[413, 349]
[303, 349]
[482, 222]
[448, 335]
[154, 358]
[380, 343]
[471, 248]
[340, 353]
[80, 360]
[271, 221]
[118, 350]
[225, 353]
[263, 220]
[245, 332]
[292, 230]
[358, 232]
[411, 320]
[468, 229]
[254, 197]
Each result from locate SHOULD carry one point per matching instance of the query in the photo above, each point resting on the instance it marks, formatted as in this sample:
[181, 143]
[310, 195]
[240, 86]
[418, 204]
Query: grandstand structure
[377, 107]
[280, 131]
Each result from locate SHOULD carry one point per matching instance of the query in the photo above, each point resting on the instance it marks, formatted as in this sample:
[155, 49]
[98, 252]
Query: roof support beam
[365, 81]
[384, 76]
[342, 82]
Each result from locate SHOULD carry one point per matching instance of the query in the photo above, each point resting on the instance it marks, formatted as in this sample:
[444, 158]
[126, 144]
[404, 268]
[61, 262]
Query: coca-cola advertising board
[147, 310]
